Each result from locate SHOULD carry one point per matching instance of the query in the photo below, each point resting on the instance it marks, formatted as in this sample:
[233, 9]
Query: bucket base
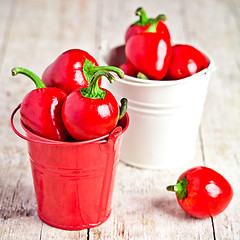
[72, 228]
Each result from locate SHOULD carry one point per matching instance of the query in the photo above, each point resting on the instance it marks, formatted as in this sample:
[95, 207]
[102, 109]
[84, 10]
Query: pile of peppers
[68, 103]
[151, 55]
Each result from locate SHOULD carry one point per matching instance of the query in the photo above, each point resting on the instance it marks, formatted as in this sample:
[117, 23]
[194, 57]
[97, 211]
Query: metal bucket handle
[103, 139]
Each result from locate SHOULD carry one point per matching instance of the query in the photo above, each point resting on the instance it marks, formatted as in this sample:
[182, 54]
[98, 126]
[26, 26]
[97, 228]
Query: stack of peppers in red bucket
[74, 130]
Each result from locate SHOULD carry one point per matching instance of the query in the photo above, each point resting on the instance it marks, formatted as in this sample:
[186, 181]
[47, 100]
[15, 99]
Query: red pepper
[92, 112]
[41, 109]
[143, 24]
[202, 192]
[149, 52]
[73, 69]
[128, 69]
[186, 61]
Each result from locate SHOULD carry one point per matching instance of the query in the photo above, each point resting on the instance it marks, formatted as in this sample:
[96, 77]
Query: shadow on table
[170, 207]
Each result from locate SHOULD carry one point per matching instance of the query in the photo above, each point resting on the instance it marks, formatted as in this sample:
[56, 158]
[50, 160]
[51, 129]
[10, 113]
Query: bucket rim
[39, 139]
[161, 83]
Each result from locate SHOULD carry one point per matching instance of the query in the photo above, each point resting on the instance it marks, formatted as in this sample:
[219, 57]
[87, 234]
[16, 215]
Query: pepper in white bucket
[165, 115]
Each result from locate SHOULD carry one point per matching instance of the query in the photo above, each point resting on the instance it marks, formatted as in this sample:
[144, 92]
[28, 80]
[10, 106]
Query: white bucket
[164, 116]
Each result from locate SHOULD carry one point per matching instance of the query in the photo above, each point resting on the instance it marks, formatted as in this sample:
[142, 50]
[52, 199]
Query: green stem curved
[118, 71]
[143, 19]
[123, 108]
[93, 91]
[38, 82]
[89, 70]
[153, 27]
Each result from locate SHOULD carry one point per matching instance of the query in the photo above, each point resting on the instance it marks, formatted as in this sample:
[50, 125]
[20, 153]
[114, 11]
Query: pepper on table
[41, 109]
[202, 192]
[74, 69]
[92, 112]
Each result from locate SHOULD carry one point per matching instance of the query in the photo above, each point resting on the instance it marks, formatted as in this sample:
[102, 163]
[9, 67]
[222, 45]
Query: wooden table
[34, 33]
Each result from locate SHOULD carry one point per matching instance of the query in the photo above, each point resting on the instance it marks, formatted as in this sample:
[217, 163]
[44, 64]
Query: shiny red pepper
[149, 52]
[144, 22]
[185, 61]
[202, 192]
[73, 69]
[41, 109]
[92, 112]
[128, 69]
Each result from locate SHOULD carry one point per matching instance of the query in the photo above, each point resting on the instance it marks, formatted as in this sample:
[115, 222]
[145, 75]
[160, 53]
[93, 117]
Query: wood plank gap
[6, 34]
[98, 33]
[234, 10]
[183, 7]
[214, 235]
[14, 193]
[40, 236]
[88, 234]
[6, 214]
[202, 146]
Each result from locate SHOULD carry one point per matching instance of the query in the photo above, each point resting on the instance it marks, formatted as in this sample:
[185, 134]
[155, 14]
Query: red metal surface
[74, 182]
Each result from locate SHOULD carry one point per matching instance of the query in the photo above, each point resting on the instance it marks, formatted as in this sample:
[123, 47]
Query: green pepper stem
[93, 91]
[118, 71]
[153, 27]
[143, 19]
[162, 17]
[142, 76]
[89, 70]
[180, 188]
[38, 82]
[123, 108]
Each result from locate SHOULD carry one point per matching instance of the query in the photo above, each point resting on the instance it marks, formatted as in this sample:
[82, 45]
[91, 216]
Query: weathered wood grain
[221, 121]
[33, 33]
[36, 30]
[220, 126]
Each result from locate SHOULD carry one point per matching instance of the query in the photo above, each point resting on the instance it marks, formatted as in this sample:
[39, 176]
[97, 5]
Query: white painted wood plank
[221, 119]
[40, 31]
[142, 208]
[6, 8]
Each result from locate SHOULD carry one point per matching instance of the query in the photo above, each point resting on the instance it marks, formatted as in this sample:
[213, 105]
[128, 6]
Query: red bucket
[74, 181]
